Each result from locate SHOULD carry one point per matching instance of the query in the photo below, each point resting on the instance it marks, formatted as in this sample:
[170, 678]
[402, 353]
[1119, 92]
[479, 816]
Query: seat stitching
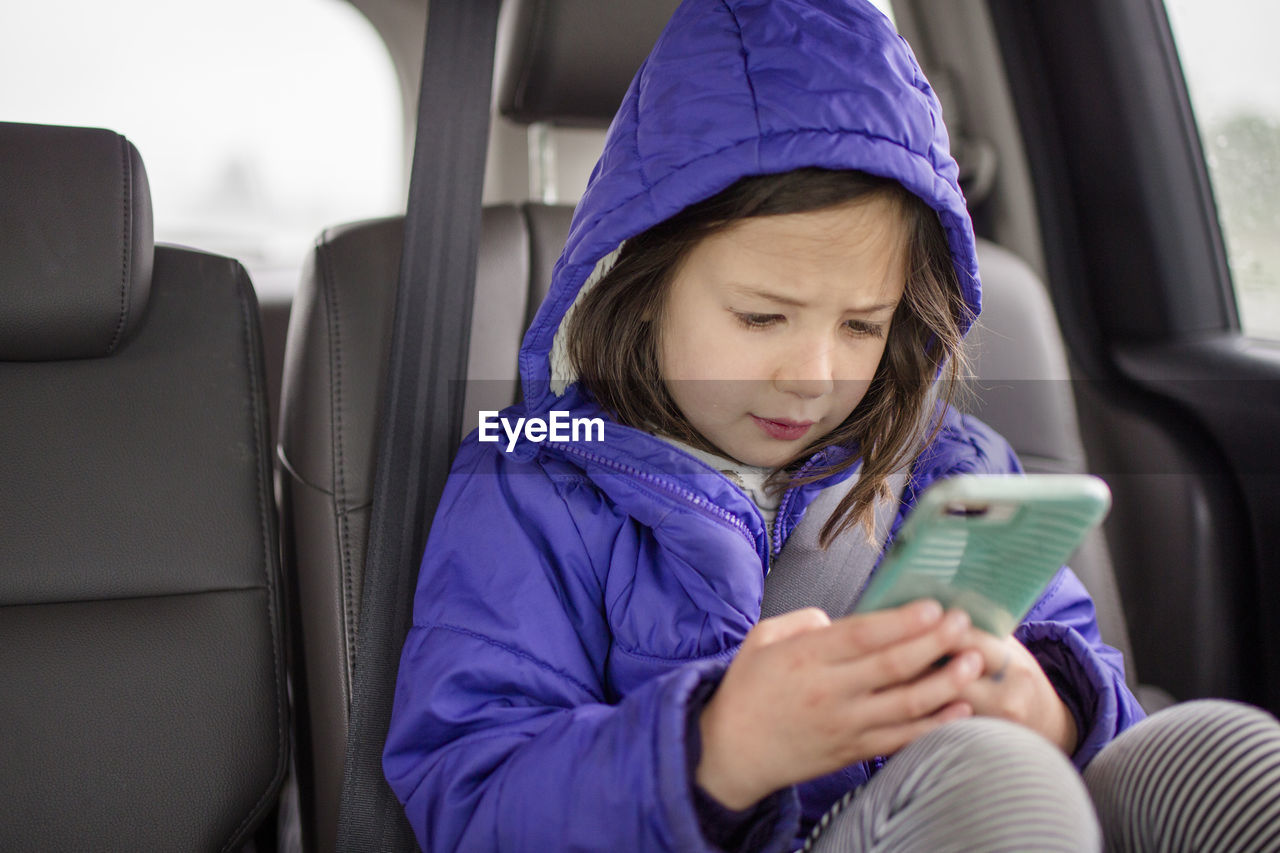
[125, 244]
[255, 390]
[283, 459]
[129, 597]
[329, 290]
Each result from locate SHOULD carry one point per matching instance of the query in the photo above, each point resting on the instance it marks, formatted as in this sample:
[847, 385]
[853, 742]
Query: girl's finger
[888, 739]
[997, 653]
[909, 659]
[986, 696]
[925, 696]
[788, 625]
[854, 636]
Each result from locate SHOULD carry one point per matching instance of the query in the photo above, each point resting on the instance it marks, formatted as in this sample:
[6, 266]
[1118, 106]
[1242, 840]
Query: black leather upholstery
[561, 65]
[339, 337]
[75, 212]
[141, 643]
[339, 329]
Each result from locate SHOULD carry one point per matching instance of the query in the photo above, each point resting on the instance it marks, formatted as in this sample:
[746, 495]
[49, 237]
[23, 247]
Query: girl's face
[774, 326]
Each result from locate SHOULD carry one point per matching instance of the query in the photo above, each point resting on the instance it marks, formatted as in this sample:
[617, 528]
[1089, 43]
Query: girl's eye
[863, 329]
[758, 321]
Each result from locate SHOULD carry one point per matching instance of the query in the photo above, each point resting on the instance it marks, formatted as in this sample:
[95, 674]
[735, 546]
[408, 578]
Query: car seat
[334, 376]
[141, 645]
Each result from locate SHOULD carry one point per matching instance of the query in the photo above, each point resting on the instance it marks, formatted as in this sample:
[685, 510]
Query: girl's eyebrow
[747, 290]
[760, 293]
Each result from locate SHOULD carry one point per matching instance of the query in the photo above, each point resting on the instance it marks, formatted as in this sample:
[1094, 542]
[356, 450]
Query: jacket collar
[647, 476]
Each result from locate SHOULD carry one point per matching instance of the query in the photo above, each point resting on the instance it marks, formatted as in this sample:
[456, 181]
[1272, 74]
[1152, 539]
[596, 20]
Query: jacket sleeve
[1061, 629]
[504, 735]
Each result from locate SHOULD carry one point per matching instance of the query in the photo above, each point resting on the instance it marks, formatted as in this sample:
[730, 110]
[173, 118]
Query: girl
[770, 268]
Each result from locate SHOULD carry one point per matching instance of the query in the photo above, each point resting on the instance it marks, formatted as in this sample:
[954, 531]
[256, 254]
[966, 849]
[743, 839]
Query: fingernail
[957, 620]
[970, 663]
[930, 611]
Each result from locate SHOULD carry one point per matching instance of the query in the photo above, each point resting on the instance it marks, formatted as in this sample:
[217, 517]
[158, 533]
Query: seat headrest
[77, 246]
[569, 62]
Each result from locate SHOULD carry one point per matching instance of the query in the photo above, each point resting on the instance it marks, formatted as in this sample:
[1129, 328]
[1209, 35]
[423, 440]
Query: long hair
[613, 333]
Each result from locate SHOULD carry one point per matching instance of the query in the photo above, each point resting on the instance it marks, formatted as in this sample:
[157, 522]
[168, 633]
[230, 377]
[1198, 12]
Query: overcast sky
[1231, 54]
[224, 97]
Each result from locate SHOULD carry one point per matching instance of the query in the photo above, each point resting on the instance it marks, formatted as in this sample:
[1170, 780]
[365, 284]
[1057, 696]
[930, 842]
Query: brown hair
[613, 333]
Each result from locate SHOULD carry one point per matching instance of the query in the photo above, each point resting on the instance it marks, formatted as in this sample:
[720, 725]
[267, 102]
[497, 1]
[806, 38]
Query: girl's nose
[806, 371]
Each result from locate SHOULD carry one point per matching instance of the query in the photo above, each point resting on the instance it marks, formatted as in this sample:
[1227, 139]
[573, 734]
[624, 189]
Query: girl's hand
[806, 696]
[1014, 687]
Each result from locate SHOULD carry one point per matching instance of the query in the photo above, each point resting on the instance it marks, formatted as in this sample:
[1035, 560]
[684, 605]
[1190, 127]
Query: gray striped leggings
[1199, 776]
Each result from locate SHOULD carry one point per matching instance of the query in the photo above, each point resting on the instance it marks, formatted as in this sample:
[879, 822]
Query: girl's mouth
[782, 430]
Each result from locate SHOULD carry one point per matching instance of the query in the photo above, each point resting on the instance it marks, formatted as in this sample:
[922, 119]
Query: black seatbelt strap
[422, 405]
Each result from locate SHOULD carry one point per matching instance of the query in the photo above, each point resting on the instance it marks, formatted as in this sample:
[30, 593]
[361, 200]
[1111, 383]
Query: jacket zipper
[668, 487]
[870, 765]
[784, 510]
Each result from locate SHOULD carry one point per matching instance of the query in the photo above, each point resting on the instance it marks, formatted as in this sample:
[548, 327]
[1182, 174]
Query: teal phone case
[988, 544]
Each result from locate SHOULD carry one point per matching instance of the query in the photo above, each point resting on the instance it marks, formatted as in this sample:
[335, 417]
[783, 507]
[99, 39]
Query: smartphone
[987, 543]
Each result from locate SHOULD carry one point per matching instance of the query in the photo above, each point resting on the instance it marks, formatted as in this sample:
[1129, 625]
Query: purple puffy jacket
[575, 595]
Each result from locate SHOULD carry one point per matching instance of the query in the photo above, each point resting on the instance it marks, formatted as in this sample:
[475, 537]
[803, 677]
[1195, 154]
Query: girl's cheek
[862, 364]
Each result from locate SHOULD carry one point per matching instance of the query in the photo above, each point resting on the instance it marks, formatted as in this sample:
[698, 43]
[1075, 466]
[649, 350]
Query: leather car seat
[335, 361]
[141, 642]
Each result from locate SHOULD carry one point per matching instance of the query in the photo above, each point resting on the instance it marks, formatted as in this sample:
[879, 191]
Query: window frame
[1137, 268]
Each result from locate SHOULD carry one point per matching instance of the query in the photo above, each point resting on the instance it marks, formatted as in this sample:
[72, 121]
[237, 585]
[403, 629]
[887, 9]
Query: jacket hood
[735, 88]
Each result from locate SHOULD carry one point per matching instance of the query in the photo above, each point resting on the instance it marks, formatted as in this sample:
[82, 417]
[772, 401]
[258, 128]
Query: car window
[260, 121]
[1231, 65]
